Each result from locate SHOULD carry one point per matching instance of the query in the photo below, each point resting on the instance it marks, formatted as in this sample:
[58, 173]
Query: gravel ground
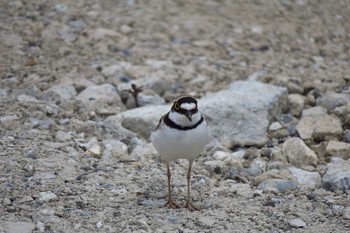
[74, 159]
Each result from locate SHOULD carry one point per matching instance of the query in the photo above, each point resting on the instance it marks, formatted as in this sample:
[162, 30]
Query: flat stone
[306, 179]
[298, 153]
[141, 120]
[63, 92]
[47, 196]
[337, 176]
[346, 213]
[232, 119]
[319, 127]
[297, 223]
[102, 99]
[314, 111]
[332, 100]
[338, 149]
[281, 185]
[15, 227]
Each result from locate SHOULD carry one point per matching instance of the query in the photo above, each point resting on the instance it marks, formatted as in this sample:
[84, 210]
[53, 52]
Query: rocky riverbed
[83, 83]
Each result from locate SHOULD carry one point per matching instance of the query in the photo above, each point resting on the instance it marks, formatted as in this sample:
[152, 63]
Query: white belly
[174, 144]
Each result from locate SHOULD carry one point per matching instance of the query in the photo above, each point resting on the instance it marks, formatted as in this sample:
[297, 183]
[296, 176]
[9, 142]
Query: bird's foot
[172, 204]
[191, 206]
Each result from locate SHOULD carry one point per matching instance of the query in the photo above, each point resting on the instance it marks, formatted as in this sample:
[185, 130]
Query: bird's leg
[170, 202]
[189, 204]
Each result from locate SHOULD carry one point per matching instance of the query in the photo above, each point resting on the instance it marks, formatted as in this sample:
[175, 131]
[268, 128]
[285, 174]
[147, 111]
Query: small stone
[319, 127]
[95, 151]
[337, 176]
[58, 92]
[314, 111]
[126, 29]
[275, 126]
[346, 213]
[296, 104]
[297, 223]
[40, 226]
[338, 149]
[281, 185]
[332, 100]
[14, 227]
[99, 224]
[6, 201]
[309, 180]
[298, 153]
[26, 99]
[47, 196]
[63, 136]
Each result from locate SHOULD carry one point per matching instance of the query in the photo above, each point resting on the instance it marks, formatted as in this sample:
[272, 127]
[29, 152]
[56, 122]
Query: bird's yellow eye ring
[176, 106]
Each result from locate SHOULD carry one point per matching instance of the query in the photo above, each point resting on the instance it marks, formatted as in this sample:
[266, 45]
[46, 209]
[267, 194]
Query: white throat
[182, 120]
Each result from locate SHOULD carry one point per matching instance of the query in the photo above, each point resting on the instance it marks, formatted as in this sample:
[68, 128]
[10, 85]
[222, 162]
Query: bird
[182, 133]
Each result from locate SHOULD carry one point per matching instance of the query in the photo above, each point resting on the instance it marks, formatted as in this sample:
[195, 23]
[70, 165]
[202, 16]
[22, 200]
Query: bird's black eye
[176, 106]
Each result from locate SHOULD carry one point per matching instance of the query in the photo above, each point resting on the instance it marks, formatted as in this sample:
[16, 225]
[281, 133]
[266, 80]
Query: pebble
[40, 226]
[99, 224]
[47, 196]
[275, 126]
[63, 136]
[306, 179]
[346, 213]
[296, 104]
[281, 185]
[314, 111]
[319, 127]
[298, 153]
[332, 100]
[297, 223]
[337, 176]
[338, 149]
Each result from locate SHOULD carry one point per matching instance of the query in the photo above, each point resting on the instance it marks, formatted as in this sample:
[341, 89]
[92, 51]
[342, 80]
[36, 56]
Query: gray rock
[332, 100]
[306, 179]
[298, 153]
[314, 111]
[319, 127]
[232, 119]
[297, 223]
[275, 126]
[63, 136]
[337, 176]
[102, 99]
[346, 213]
[141, 120]
[281, 185]
[296, 104]
[58, 92]
[26, 99]
[15, 227]
[113, 150]
[40, 226]
[338, 149]
[47, 196]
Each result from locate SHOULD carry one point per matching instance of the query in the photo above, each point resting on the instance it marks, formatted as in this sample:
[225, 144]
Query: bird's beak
[188, 114]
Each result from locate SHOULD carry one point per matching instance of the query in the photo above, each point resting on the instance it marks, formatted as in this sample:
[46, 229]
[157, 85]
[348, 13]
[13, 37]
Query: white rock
[113, 150]
[298, 153]
[308, 180]
[47, 196]
[40, 226]
[275, 126]
[64, 92]
[26, 99]
[141, 120]
[99, 224]
[297, 223]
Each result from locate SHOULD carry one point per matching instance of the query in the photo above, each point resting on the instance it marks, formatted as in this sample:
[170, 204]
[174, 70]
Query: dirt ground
[49, 184]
